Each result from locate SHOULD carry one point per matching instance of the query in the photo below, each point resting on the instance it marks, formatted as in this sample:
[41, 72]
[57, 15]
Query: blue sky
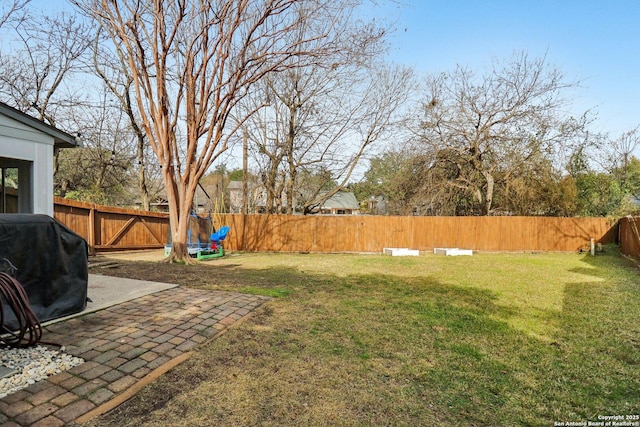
[597, 42]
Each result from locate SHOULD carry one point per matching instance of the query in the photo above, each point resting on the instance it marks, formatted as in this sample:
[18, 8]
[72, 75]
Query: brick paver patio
[122, 345]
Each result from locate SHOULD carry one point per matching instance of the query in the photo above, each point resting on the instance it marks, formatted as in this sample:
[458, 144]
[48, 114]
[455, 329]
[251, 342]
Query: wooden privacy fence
[629, 239]
[372, 233]
[108, 229]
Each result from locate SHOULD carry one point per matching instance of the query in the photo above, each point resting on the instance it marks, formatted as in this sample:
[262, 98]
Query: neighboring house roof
[200, 197]
[257, 194]
[61, 139]
[235, 185]
[342, 200]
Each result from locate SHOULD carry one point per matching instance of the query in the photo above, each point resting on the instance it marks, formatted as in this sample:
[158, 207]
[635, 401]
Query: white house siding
[31, 151]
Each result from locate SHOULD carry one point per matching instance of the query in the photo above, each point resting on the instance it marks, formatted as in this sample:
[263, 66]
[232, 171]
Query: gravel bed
[33, 364]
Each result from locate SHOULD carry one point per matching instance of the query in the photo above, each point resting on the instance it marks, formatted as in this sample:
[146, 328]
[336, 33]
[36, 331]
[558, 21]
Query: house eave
[61, 138]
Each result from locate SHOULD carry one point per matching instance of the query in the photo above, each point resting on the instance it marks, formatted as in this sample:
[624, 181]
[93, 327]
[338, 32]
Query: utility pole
[245, 139]
[244, 170]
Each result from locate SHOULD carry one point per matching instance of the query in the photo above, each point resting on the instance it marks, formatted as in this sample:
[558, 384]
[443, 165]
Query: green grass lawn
[492, 339]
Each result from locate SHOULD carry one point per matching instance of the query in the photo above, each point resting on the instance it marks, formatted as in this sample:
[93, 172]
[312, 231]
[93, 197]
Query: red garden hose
[30, 329]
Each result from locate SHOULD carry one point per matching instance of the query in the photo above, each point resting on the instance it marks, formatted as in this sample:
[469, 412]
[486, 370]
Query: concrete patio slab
[105, 291]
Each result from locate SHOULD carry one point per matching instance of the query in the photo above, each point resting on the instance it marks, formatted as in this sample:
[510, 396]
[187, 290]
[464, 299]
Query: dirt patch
[148, 265]
[149, 255]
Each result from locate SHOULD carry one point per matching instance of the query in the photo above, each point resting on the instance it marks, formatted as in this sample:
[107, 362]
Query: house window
[9, 190]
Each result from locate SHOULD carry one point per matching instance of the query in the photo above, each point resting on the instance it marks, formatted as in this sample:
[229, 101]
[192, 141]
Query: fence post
[243, 242]
[91, 228]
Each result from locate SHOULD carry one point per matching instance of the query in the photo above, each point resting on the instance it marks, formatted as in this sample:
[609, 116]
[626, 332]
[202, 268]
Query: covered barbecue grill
[51, 263]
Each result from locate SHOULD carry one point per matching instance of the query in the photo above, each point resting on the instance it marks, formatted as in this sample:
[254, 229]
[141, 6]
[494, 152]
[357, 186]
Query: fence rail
[109, 228]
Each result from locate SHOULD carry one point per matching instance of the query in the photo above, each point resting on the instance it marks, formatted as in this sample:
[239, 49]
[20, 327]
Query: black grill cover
[52, 265]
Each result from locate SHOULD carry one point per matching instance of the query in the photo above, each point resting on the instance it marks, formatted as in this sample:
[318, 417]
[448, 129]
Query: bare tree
[320, 122]
[9, 9]
[492, 125]
[614, 155]
[33, 77]
[376, 117]
[99, 171]
[116, 76]
[191, 63]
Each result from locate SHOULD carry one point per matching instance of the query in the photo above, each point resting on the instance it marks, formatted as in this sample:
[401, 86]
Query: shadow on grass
[434, 351]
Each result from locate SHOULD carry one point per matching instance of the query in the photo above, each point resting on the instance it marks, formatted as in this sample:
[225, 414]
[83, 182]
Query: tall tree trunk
[142, 176]
[270, 184]
[177, 224]
[488, 200]
[293, 171]
[290, 187]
